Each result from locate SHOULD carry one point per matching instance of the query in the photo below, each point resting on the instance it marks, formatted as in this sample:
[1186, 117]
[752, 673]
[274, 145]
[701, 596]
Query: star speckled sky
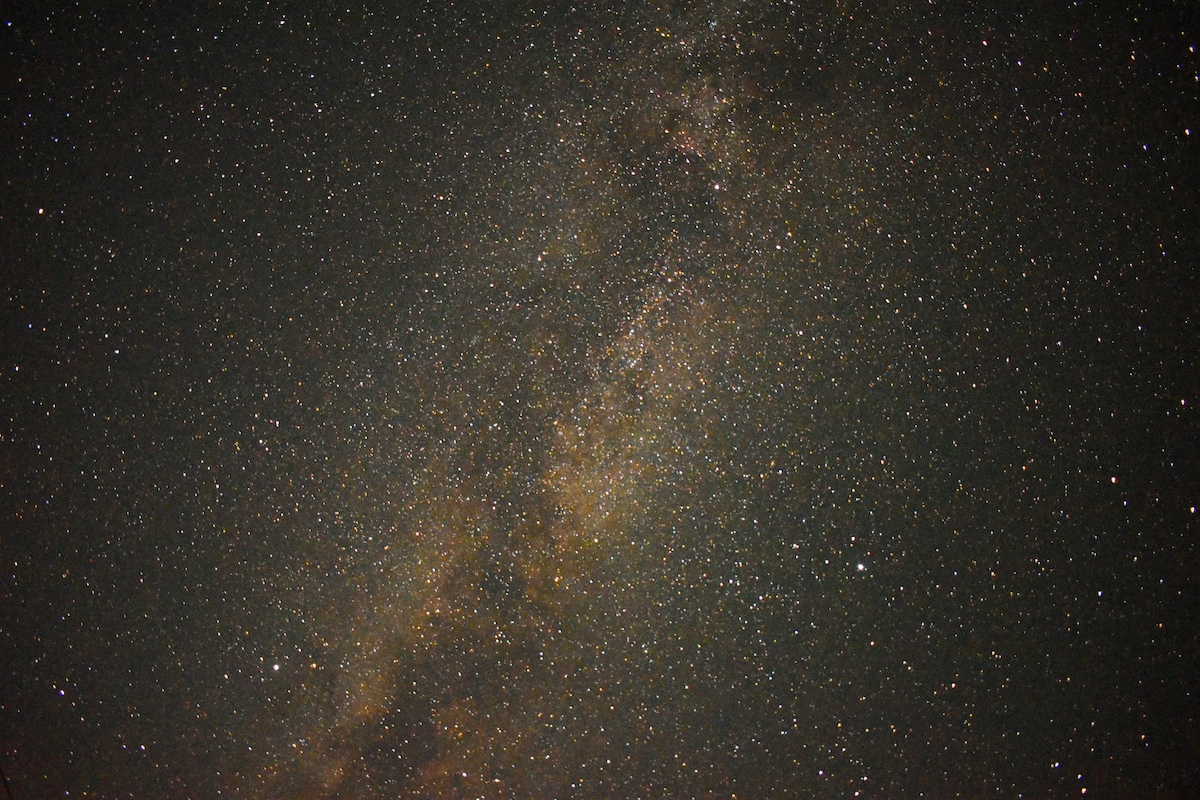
[695, 400]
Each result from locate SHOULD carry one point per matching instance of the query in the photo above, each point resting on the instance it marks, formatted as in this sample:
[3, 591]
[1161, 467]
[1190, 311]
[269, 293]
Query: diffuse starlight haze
[686, 400]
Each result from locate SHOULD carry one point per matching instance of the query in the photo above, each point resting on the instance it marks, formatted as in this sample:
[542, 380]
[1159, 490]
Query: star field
[721, 400]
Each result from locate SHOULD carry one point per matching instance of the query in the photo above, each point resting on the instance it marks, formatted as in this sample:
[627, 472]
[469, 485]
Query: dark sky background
[697, 400]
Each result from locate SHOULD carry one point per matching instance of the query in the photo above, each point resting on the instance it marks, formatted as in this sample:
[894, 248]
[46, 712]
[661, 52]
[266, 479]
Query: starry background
[700, 400]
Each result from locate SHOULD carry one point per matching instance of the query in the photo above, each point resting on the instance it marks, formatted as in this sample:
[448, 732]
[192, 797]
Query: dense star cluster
[696, 399]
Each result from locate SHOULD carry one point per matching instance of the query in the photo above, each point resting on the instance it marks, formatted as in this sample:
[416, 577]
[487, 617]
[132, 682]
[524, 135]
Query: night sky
[693, 400]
